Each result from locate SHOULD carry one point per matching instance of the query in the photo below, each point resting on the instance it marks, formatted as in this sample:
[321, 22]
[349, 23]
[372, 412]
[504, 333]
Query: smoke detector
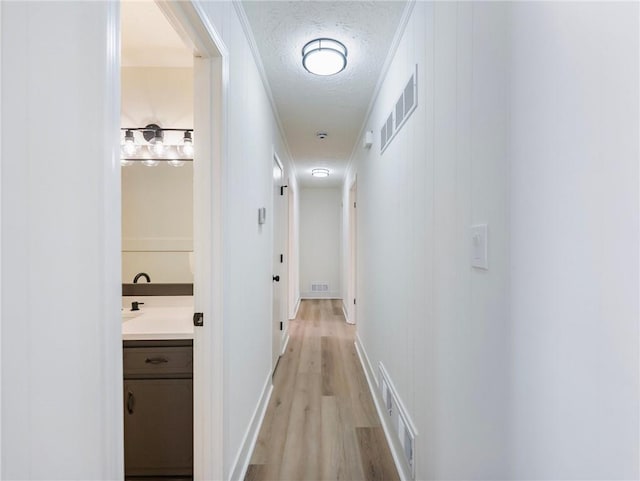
[322, 135]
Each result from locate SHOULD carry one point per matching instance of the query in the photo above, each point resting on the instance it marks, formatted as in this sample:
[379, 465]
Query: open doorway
[186, 354]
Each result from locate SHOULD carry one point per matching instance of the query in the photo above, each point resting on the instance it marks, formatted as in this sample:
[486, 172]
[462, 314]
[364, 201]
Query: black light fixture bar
[153, 133]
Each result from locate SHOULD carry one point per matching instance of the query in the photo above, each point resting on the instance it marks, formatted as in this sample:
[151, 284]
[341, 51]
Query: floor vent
[404, 107]
[403, 428]
[319, 287]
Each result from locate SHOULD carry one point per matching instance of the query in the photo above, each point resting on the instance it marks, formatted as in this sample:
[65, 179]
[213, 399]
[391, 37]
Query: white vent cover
[319, 287]
[403, 427]
[404, 107]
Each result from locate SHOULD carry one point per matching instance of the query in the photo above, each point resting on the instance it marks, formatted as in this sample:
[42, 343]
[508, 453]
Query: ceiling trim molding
[248, 32]
[402, 26]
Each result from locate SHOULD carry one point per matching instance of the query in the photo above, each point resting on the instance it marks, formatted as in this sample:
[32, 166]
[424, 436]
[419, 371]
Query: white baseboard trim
[327, 295]
[285, 344]
[345, 311]
[241, 463]
[396, 450]
[296, 309]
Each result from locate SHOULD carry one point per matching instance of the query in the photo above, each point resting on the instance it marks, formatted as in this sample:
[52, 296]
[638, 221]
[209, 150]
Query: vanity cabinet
[158, 410]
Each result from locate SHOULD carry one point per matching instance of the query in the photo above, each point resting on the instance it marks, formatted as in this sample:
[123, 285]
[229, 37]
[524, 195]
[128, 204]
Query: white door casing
[278, 279]
[352, 288]
[210, 101]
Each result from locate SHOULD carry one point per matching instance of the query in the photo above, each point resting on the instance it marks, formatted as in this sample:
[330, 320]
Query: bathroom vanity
[158, 388]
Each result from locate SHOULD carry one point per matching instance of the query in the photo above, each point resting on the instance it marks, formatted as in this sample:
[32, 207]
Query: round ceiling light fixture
[320, 172]
[324, 56]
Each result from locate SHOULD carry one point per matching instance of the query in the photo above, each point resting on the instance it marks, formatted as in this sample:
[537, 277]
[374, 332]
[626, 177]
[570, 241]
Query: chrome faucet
[139, 275]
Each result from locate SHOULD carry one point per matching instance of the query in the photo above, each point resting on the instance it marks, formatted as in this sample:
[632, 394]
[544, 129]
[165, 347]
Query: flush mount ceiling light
[324, 56]
[320, 172]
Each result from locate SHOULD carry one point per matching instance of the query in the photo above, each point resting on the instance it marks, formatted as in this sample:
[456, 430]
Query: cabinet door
[158, 427]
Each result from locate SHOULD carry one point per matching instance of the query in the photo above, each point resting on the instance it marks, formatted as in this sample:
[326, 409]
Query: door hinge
[354, 205]
[281, 325]
[198, 319]
[281, 258]
[354, 301]
[282, 187]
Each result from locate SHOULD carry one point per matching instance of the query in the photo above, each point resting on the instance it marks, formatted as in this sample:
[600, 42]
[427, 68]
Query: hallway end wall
[320, 234]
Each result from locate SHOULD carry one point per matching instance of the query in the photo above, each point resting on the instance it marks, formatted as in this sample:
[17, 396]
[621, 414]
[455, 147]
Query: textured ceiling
[308, 103]
[148, 39]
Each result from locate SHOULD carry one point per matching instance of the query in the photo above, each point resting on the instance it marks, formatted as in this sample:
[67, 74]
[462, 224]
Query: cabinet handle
[131, 401]
[156, 360]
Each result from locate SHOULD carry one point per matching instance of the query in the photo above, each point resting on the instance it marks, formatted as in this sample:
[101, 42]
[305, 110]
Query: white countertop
[160, 318]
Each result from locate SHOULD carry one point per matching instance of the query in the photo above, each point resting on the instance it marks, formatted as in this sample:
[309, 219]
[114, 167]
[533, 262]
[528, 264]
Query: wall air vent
[319, 287]
[404, 107]
[399, 421]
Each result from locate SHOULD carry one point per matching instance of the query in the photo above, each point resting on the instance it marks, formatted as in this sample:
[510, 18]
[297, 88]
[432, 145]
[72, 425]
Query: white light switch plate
[479, 246]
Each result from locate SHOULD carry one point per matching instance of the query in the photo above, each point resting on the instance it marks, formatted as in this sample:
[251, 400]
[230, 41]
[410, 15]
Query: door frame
[284, 281]
[210, 119]
[292, 257]
[352, 286]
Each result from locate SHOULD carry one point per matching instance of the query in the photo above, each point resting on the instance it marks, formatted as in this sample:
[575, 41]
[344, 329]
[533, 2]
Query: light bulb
[176, 163]
[129, 148]
[150, 162]
[186, 149]
[157, 147]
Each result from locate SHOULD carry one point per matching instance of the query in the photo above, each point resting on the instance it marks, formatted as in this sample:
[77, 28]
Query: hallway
[321, 422]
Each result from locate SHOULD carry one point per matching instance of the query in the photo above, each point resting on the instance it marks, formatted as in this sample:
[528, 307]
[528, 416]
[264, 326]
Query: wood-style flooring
[321, 423]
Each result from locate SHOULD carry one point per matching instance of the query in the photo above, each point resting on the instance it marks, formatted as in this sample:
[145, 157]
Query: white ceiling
[148, 39]
[308, 103]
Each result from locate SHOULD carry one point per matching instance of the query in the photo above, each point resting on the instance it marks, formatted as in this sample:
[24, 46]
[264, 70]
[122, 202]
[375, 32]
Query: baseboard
[396, 450]
[241, 463]
[295, 309]
[326, 295]
[285, 344]
[345, 311]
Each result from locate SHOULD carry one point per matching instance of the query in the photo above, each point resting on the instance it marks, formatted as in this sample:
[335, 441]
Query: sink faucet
[139, 275]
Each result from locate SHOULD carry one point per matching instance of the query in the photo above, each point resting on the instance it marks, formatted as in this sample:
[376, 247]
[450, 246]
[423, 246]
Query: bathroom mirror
[157, 223]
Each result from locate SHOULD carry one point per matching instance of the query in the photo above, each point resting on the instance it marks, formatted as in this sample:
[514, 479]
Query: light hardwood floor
[321, 423]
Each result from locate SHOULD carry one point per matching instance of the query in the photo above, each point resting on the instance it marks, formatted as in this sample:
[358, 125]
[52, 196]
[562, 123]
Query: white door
[278, 259]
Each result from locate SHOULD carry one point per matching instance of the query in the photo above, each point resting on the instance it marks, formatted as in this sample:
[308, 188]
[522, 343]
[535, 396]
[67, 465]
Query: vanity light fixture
[320, 172]
[324, 56]
[156, 150]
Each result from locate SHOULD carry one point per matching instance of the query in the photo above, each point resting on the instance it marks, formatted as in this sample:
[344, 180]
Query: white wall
[157, 222]
[253, 136]
[438, 325]
[60, 210]
[157, 203]
[320, 234]
[61, 341]
[527, 120]
[574, 240]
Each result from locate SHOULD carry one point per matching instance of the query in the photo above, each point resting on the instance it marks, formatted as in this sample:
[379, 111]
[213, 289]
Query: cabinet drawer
[145, 362]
